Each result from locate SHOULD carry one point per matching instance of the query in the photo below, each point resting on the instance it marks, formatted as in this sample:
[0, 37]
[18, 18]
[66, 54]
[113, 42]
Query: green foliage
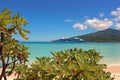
[11, 51]
[22, 70]
[73, 64]
[11, 24]
[15, 50]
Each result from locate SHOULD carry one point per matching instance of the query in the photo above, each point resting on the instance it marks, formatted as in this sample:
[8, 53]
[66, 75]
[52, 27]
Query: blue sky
[53, 19]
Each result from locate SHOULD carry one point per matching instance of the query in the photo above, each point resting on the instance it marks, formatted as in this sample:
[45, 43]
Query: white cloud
[117, 18]
[99, 24]
[117, 26]
[68, 20]
[116, 13]
[80, 26]
[118, 8]
[101, 14]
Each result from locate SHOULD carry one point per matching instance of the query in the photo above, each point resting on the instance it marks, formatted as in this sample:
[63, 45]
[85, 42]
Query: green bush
[73, 64]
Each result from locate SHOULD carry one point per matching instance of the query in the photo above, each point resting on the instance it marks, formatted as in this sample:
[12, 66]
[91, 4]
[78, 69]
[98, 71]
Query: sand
[114, 69]
[12, 77]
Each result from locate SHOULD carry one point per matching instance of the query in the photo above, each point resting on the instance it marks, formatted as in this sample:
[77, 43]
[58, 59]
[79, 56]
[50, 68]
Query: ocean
[109, 50]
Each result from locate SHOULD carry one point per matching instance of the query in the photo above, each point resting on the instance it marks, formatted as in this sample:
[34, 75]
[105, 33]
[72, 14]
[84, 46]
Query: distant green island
[108, 35]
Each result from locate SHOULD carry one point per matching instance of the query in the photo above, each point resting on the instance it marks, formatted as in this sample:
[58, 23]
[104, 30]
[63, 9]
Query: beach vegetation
[11, 50]
[71, 64]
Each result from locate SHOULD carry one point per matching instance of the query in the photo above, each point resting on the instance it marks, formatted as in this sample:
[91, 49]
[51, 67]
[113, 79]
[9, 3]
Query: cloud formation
[99, 24]
[116, 13]
[117, 26]
[80, 26]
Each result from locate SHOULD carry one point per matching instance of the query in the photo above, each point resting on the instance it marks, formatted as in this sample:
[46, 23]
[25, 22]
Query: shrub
[72, 64]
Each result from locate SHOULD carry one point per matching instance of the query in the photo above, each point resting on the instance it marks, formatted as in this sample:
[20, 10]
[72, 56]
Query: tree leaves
[9, 24]
[11, 50]
[71, 64]
[5, 14]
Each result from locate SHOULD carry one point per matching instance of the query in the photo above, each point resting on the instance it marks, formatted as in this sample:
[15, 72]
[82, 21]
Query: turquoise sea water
[110, 50]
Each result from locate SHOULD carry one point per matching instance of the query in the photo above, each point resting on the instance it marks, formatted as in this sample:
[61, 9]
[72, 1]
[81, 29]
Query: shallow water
[110, 50]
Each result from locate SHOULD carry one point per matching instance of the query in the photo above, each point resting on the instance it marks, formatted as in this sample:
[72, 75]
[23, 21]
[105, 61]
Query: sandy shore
[12, 77]
[114, 69]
